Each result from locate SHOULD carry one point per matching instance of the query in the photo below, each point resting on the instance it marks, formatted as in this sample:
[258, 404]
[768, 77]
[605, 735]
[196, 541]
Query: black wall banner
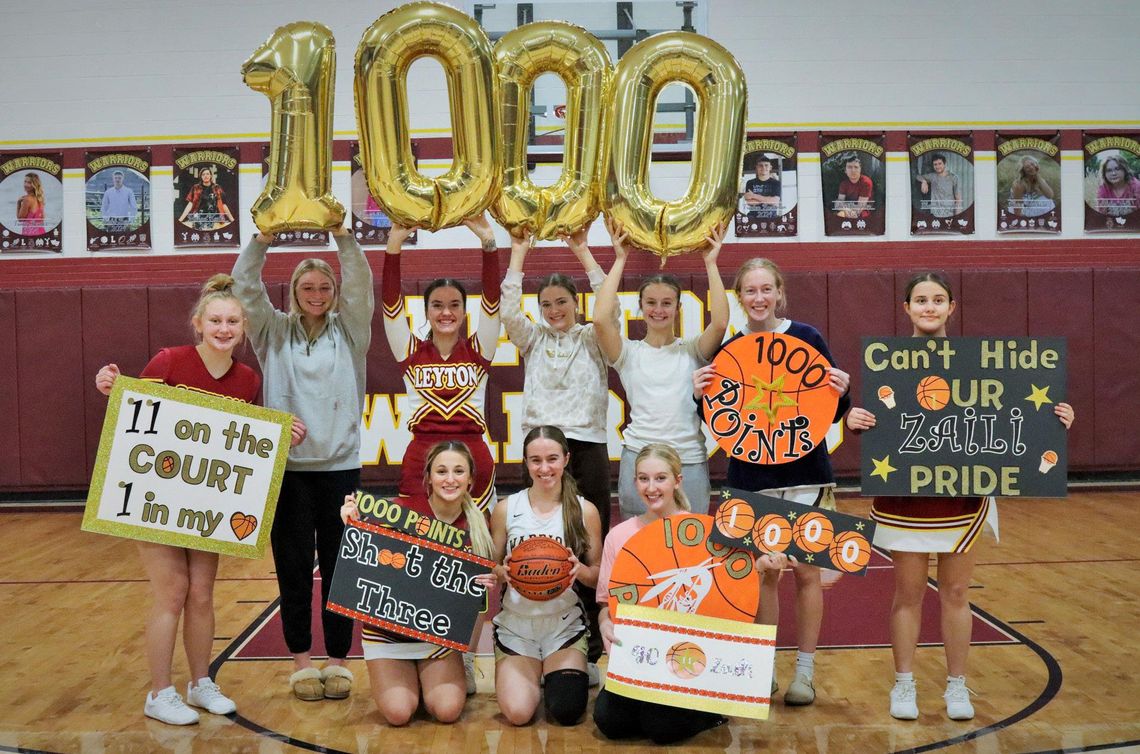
[1028, 183]
[941, 183]
[769, 189]
[1112, 182]
[854, 174]
[964, 417]
[408, 585]
[206, 197]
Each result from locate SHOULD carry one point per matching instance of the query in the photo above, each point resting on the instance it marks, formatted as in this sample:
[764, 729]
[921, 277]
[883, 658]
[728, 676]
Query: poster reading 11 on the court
[31, 202]
[941, 183]
[1028, 183]
[116, 200]
[964, 417]
[1112, 182]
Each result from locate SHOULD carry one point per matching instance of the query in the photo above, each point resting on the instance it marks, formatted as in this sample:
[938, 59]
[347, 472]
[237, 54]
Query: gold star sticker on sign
[809, 558]
[1038, 396]
[775, 389]
[792, 516]
[883, 468]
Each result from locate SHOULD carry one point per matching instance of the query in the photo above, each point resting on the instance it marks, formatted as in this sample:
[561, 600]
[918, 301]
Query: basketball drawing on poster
[117, 200]
[964, 416]
[770, 187]
[853, 172]
[31, 202]
[1112, 182]
[941, 183]
[1028, 183]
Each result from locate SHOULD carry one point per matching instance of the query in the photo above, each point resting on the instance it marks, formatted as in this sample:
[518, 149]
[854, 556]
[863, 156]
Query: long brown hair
[577, 539]
[481, 542]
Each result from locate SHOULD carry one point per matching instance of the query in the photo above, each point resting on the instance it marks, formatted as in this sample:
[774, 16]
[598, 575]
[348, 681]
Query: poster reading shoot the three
[964, 417]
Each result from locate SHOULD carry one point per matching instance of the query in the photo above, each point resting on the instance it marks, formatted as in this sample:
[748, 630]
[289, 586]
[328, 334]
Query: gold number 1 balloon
[584, 65]
[679, 226]
[387, 50]
[295, 69]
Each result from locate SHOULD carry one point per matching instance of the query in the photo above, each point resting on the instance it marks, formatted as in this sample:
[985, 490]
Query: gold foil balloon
[584, 66]
[386, 51]
[296, 69]
[679, 226]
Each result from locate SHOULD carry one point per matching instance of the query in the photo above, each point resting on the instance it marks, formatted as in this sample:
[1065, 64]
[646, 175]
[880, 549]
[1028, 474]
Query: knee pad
[566, 692]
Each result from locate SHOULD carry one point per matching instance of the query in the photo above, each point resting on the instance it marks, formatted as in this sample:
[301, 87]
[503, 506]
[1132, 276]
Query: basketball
[933, 393]
[850, 551]
[398, 560]
[539, 568]
[772, 533]
[423, 526]
[812, 532]
[167, 464]
[385, 557]
[734, 518]
[686, 660]
[243, 525]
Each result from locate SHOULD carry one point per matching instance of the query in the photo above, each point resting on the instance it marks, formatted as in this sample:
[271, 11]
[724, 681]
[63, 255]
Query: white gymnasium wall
[95, 74]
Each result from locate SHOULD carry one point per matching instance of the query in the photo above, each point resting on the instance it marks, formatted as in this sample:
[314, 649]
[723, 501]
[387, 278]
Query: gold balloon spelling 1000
[609, 127]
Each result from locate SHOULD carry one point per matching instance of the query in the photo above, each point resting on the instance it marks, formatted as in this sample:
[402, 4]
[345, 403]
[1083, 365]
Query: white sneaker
[469, 672]
[957, 696]
[593, 673]
[209, 697]
[904, 701]
[167, 707]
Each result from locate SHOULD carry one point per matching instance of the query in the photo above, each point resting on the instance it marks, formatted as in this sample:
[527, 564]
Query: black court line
[1023, 622]
[19, 750]
[1097, 747]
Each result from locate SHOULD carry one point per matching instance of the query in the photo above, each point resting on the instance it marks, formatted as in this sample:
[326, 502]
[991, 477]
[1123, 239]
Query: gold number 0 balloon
[296, 68]
[675, 227]
[386, 51]
[584, 65]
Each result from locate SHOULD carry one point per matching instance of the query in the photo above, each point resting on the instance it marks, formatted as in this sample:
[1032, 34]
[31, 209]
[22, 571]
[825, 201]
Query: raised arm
[249, 289]
[357, 300]
[718, 301]
[606, 323]
[520, 329]
[488, 330]
[396, 328]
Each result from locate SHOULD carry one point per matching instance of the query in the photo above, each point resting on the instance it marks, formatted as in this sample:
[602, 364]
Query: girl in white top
[657, 371]
[545, 640]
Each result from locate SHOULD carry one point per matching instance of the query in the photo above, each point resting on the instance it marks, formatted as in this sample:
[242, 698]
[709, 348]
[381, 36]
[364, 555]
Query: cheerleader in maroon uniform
[913, 527]
[446, 372]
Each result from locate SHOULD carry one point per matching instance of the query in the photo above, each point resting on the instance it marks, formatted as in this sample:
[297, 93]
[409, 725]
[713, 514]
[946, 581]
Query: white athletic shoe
[904, 701]
[167, 707]
[469, 672]
[593, 674]
[957, 696]
[209, 697]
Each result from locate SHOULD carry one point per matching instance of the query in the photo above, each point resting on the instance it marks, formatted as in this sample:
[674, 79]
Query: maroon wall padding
[51, 389]
[1116, 331]
[115, 331]
[9, 393]
[992, 301]
[1061, 305]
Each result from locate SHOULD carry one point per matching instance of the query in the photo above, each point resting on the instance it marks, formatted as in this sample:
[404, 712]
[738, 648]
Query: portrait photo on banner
[1112, 182]
[1028, 183]
[769, 189]
[853, 171]
[941, 183]
[31, 202]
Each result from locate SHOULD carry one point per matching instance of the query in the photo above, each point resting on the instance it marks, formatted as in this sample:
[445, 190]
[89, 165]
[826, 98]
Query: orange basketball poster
[692, 661]
[770, 401]
[963, 417]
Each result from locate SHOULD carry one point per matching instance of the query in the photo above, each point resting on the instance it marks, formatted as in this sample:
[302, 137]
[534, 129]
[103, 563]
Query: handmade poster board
[692, 661]
[186, 468]
[964, 417]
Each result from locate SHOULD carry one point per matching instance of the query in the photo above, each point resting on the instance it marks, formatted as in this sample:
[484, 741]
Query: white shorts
[403, 650]
[539, 636]
[813, 495]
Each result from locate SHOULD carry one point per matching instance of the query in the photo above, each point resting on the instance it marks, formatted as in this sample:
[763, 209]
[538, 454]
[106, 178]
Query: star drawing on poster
[775, 389]
[883, 467]
[1038, 396]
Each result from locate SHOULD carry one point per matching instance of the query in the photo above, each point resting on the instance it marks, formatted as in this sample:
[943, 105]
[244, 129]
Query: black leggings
[308, 508]
[590, 467]
[619, 717]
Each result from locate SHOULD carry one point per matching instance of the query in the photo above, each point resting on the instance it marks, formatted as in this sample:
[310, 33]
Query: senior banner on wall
[206, 197]
[853, 170]
[370, 224]
[1028, 183]
[769, 189]
[188, 469]
[941, 183]
[117, 199]
[31, 202]
[311, 238]
[1112, 182]
[964, 417]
